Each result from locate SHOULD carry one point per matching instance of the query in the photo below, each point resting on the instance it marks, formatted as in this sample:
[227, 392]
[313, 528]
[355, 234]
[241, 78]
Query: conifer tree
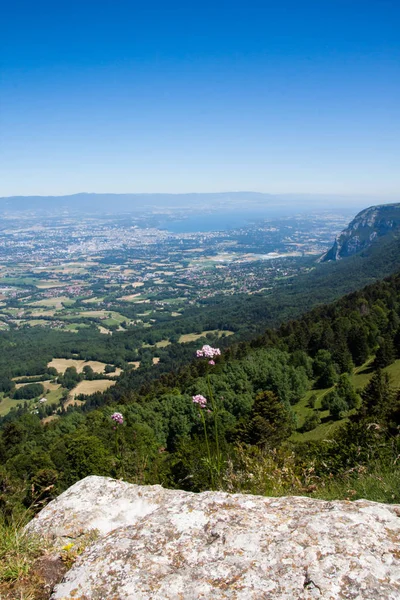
[385, 354]
[377, 396]
[269, 424]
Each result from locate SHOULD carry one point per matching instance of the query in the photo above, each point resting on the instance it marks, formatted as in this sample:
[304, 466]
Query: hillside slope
[365, 230]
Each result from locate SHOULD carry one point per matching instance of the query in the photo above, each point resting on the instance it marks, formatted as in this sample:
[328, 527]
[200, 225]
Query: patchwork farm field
[127, 292]
[192, 337]
[53, 392]
[90, 387]
[57, 302]
[62, 364]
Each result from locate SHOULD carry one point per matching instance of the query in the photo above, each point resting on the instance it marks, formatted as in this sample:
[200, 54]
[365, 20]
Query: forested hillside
[231, 420]
[27, 351]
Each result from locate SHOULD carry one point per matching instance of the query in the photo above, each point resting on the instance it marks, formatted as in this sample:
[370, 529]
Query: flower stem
[215, 413]
[208, 447]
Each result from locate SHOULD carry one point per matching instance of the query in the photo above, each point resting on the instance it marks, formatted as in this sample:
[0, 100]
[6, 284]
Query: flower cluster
[208, 352]
[200, 400]
[118, 418]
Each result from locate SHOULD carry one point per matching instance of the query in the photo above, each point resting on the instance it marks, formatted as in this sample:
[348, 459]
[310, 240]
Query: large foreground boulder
[157, 544]
[98, 504]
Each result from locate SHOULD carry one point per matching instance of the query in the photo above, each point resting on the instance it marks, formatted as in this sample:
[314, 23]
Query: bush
[311, 422]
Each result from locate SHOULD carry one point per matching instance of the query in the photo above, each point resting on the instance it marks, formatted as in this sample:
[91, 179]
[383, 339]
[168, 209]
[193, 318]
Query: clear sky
[128, 96]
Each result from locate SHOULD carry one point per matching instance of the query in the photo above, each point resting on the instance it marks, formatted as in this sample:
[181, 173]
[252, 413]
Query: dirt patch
[56, 302]
[51, 569]
[90, 387]
[192, 337]
[48, 385]
[135, 363]
[129, 298]
[104, 330]
[49, 420]
[61, 364]
[45, 573]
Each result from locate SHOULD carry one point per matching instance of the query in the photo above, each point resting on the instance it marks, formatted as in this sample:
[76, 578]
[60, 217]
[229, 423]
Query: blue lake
[221, 221]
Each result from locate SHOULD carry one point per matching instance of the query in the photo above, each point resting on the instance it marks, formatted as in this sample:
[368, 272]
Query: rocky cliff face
[367, 227]
[166, 545]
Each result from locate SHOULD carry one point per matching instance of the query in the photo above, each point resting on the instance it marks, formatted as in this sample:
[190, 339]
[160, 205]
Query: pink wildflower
[200, 400]
[211, 362]
[118, 418]
[208, 352]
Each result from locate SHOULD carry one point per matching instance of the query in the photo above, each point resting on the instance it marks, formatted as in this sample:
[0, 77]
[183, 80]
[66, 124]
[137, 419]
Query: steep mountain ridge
[364, 230]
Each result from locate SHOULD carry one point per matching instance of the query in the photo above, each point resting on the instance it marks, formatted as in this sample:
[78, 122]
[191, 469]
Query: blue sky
[126, 96]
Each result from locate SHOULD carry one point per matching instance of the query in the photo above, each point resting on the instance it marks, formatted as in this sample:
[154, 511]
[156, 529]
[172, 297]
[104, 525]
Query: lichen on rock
[177, 545]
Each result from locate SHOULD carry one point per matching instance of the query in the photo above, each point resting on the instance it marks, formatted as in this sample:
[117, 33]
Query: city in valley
[117, 272]
[121, 292]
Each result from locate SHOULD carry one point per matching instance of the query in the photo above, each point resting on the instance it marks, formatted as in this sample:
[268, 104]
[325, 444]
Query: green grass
[38, 323]
[69, 302]
[21, 566]
[361, 375]
[325, 431]
[173, 300]
[75, 326]
[192, 337]
[18, 281]
[6, 404]
[303, 410]
[394, 373]
[111, 315]
[359, 378]
[383, 485]
[160, 344]
[53, 399]
[10, 311]
[93, 300]
[18, 551]
[54, 396]
[110, 322]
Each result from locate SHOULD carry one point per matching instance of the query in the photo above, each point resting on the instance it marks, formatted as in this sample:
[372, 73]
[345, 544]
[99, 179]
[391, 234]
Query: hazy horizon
[212, 209]
[301, 195]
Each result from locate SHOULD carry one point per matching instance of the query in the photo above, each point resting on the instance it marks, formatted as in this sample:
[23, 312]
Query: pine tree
[269, 424]
[377, 396]
[347, 392]
[385, 354]
[358, 345]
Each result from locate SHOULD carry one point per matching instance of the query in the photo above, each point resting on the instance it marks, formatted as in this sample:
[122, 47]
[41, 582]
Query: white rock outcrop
[98, 503]
[158, 544]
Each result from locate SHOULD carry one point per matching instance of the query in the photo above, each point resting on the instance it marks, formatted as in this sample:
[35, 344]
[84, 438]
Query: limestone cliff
[166, 545]
[366, 229]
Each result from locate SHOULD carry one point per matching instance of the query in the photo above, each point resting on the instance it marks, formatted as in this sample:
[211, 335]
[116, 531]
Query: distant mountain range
[365, 230]
[133, 203]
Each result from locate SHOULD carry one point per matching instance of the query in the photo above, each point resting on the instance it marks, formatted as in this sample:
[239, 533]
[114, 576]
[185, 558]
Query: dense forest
[226, 419]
